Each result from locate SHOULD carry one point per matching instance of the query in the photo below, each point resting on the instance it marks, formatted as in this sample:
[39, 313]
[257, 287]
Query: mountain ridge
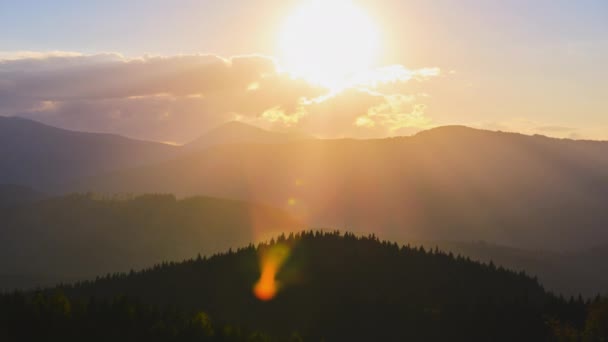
[505, 188]
[235, 132]
[46, 157]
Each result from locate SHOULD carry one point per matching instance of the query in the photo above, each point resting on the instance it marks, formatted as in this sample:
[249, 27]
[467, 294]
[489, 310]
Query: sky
[171, 70]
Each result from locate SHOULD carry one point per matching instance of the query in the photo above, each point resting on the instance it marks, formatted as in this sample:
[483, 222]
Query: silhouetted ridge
[457, 134]
[30, 128]
[46, 157]
[342, 287]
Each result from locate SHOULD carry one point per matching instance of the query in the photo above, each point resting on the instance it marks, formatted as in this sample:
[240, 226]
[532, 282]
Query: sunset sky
[170, 70]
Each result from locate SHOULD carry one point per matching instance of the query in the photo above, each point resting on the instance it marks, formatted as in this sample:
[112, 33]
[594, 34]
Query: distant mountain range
[521, 194]
[49, 158]
[450, 183]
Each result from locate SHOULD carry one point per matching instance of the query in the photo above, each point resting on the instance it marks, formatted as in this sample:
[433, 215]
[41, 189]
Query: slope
[45, 157]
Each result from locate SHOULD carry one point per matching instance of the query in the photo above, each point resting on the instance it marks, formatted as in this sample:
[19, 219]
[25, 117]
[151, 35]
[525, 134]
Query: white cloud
[20, 55]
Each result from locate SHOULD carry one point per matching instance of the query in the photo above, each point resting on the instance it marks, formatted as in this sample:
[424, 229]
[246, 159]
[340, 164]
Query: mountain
[537, 201]
[77, 236]
[327, 286]
[46, 157]
[11, 194]
[450, 183]
[238, 132]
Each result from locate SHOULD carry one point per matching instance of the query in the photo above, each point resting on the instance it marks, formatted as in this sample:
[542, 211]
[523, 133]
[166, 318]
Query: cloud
[176, 98]
[357, 113]
[397, 113]
[23, 55]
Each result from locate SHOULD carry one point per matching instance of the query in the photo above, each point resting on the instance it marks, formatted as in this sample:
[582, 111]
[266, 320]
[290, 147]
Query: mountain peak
[450, 130]
[234, 132]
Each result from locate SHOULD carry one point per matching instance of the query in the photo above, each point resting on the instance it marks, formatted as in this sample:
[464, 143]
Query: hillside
[451, 183]
[45, 157]
[238, 132]
[78, 236]
[340, 287]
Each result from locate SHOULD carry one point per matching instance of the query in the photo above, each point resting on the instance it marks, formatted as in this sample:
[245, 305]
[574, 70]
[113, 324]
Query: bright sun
[326, 42]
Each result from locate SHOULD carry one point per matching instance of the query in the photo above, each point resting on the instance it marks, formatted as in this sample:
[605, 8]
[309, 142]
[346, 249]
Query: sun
[326, 42]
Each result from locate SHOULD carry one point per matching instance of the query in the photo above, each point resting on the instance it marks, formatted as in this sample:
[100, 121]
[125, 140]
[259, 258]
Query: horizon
[311, 137]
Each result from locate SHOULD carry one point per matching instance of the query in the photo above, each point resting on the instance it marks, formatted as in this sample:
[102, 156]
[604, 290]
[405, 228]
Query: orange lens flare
[266, 288]
[270, 263]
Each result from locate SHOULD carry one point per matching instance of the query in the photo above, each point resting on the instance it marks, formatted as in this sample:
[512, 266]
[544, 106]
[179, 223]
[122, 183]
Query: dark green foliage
[53, 317]
[595, 328]
[335, 287]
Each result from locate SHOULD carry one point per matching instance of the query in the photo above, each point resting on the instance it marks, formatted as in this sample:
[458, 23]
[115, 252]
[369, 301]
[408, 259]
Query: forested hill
[336, 287]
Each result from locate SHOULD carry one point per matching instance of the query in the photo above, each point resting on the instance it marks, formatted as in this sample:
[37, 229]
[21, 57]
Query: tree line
[333, 287]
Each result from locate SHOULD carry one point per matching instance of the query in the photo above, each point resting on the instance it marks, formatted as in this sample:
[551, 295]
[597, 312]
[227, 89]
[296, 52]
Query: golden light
[270, 263]
[326, 42]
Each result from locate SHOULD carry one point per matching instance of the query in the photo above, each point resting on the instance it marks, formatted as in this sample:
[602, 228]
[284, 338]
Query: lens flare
[270, 263]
